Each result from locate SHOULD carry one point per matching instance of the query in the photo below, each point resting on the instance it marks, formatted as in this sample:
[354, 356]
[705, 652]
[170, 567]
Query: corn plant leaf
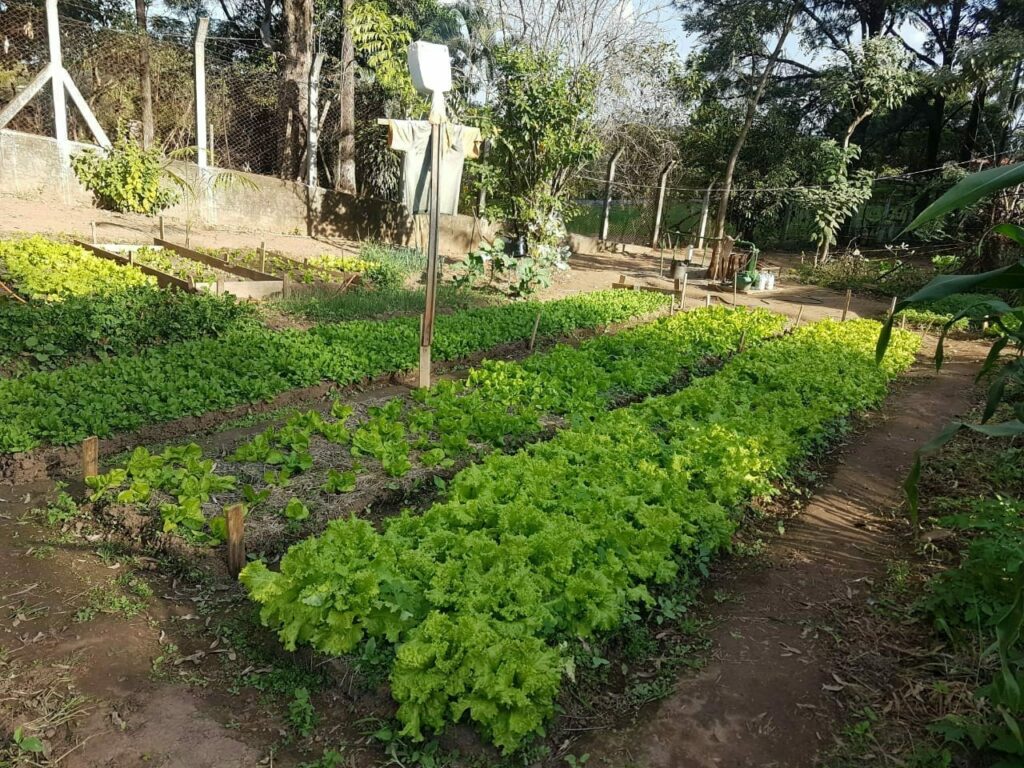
[969, 190]
[1014, 232]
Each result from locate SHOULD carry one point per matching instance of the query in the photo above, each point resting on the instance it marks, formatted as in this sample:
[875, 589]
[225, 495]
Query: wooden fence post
[199, 66]
[234, 516]
[660, 209]
[846, 306]
[606, 213]
[90, 457]
[533, 336]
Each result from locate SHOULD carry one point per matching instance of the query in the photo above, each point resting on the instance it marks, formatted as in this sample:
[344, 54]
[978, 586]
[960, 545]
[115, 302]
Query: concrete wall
[30, 167]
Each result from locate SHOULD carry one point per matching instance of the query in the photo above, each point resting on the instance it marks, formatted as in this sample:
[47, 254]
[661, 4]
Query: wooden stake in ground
[162, 228]
[846, 306]
[707, 300]
[263, 256]
[90, 457]
[10, 292]
[424, 372]
[742, 341]
[735, 289]
[92, 229]
[234, 515]
[799, 316]
[533, 336]
[892, 307]
[682, 292]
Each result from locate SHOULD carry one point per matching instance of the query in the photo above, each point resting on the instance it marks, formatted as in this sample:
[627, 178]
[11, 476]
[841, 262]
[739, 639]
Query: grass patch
[363, 303]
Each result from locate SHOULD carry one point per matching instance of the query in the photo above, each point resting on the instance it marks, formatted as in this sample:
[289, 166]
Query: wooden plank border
[213, 261]
[162, 278]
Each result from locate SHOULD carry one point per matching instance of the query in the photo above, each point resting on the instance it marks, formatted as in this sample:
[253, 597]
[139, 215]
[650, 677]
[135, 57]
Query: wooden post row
[234, 516]
[533, 336]
[90, 457]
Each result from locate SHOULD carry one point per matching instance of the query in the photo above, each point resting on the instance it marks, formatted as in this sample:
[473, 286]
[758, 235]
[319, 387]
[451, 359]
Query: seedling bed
[243, 282]
[300, 272]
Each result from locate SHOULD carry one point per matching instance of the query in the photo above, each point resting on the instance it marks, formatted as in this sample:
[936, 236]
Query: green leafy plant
[481, 593]
[32, 745]
[125, 178]
[296, 510]
[339, 482]
[301, 715]
[49, 270]
[1006, 372]
[253, 364]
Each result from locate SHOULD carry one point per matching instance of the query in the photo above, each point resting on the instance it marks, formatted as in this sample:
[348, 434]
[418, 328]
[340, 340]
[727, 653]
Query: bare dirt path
[767, 697]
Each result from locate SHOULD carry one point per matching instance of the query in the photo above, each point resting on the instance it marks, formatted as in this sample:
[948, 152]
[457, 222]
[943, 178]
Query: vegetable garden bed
[347, 461]
[255, 364]
[478, 604]
[48, 270]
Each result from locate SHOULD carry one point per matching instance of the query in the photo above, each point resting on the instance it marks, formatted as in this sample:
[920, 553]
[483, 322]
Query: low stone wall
[31, 167]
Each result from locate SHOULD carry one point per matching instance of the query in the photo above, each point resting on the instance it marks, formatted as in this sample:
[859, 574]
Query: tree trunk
[969, 140]
[1014, 100]
[936, 120]
[345, 178]
[145, 76]
[293, 93]
[715, 264]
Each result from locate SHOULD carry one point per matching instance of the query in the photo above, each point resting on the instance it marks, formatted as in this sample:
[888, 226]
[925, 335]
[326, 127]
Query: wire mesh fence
[105, 61]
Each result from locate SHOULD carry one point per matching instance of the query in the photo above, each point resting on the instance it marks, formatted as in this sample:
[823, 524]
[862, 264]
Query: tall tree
[345, 168]
[742, 43]
[293, 93]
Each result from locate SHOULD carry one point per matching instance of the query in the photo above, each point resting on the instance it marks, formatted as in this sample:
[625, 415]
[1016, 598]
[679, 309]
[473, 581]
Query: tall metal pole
[608, 195]
[199, 58]
[704, 218]
[662, 184]
[430, 305]
[60, 111]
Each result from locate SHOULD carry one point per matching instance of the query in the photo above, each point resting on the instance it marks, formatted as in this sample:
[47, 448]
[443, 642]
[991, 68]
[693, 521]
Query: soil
[155, 688]
[768, 696]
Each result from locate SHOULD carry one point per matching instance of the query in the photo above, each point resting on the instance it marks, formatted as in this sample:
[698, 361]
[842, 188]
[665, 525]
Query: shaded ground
[768, 696]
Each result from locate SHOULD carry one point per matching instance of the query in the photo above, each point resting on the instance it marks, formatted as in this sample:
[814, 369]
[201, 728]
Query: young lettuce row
[479, 596]
[56, 334]
[498, 401]
[252, 364]
[502, 401]
[51, 271]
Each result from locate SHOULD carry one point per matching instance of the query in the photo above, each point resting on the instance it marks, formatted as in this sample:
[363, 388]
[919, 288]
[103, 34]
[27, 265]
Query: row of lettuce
[253, 364]
[82, 307]
[476, 605]
[499, 404]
